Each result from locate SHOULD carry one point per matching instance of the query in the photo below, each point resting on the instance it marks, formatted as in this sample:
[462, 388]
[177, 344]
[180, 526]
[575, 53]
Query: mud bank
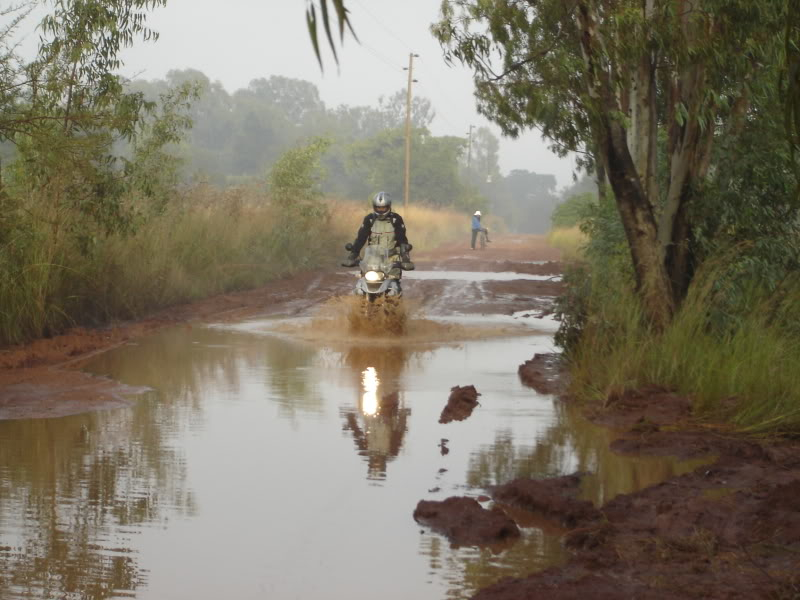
[730, 529]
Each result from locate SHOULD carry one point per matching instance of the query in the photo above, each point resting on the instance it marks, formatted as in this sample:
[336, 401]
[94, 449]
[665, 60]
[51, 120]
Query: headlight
[373, 276]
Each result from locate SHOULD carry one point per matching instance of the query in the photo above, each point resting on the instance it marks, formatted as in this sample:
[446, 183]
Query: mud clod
[552, 498]
[443, 449]
[544, 373]
[465, 522]
[460, 405]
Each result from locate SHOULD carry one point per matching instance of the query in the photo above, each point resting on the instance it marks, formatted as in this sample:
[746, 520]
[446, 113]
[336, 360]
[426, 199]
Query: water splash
[350, 319]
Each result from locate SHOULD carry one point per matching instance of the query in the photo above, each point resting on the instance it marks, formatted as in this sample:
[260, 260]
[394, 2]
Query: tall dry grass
[207, 242]
[570, 240]
[427, 227]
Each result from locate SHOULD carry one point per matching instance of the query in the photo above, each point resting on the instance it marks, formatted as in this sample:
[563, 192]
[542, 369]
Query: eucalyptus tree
[65, 109]
[792, 74]
[635, 83]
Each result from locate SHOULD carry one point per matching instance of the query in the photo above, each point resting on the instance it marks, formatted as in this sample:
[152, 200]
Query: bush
[573, 211]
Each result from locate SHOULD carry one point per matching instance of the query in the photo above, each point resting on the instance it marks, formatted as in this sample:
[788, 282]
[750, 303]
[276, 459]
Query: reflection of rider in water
[379, 422]
[385, 229]
[380, 437]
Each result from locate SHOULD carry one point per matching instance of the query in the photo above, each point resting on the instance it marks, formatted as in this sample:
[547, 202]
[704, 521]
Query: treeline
[236, 137]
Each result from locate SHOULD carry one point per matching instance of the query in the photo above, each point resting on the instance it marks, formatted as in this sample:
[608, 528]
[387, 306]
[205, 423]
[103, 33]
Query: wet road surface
[262, 464]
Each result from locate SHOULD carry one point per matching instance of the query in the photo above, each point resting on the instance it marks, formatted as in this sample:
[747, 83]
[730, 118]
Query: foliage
[632, 87]
[573, 210]
[380, 160]
[748, 374]
[64, 188]
[524, 199]
[569, 240]
[317, 15]
[791, 76]
[294, 182]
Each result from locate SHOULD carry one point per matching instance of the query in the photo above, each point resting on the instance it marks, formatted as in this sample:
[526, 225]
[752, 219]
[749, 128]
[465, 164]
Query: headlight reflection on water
[370, 383]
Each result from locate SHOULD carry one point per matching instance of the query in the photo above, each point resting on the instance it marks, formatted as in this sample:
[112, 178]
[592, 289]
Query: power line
[439, 113]
[379, 22]
[445, 100]
[382, 58]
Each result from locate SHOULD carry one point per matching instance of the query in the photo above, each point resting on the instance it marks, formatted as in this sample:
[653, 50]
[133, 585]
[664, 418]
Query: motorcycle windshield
[375, 259]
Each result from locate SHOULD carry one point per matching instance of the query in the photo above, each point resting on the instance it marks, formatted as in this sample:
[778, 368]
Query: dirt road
[730, 529]
[40, 379]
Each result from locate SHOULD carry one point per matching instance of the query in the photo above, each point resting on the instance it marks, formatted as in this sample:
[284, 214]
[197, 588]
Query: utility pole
[407, 178]
[469, 148]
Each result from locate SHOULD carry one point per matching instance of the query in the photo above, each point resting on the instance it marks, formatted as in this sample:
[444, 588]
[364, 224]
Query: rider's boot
[351, 260]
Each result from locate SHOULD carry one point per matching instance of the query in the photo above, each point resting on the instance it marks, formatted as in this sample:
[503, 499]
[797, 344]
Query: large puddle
[266, 466]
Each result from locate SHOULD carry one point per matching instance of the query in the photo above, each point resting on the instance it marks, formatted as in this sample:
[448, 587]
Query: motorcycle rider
[477, 228]
[386, 229]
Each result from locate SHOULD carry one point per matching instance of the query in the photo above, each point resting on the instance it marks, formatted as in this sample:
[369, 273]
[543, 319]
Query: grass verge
[744, 369]
[570, 240]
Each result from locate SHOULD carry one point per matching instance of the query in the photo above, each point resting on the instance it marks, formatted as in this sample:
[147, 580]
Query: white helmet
[477, 213]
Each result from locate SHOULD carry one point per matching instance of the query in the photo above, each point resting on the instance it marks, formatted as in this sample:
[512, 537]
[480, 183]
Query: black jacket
[366, 227]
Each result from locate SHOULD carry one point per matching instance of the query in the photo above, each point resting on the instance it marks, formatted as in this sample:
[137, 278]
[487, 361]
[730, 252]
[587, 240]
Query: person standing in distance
[477, 228]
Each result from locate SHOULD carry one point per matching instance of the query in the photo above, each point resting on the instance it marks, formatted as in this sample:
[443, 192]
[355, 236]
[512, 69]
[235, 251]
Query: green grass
[746, 372]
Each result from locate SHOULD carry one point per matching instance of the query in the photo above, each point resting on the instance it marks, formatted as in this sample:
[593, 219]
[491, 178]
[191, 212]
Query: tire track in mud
[452, 293]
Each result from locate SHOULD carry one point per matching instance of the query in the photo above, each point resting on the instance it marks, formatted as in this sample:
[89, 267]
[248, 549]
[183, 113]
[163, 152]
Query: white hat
[477, 213]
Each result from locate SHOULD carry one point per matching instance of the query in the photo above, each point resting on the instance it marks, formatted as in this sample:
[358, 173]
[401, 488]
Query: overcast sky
[236, 41]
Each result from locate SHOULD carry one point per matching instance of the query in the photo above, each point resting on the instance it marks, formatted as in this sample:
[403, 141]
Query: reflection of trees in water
[571, 444]
[379, 421]
[71, 487]
[289, 383]
[68, 486]
[468, 570]
[186, 362]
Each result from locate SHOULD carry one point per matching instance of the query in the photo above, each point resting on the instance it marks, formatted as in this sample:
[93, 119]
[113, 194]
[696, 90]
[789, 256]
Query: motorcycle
[380, 275]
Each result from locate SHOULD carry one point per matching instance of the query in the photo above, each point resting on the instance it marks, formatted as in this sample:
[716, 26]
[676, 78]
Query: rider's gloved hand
[351, 260]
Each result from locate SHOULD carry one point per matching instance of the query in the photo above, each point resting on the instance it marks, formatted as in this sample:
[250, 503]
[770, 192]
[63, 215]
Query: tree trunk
[635, 208]
[639, 223]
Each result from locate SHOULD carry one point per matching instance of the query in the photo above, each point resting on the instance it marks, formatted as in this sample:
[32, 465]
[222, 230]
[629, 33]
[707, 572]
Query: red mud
[554, 498]
[460, 404]
[544, 373]
[730, 529]
[727, 530]
[466, 523]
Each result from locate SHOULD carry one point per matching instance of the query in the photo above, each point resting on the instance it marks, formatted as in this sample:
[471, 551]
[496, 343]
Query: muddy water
[478, 276]
[262, 466]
